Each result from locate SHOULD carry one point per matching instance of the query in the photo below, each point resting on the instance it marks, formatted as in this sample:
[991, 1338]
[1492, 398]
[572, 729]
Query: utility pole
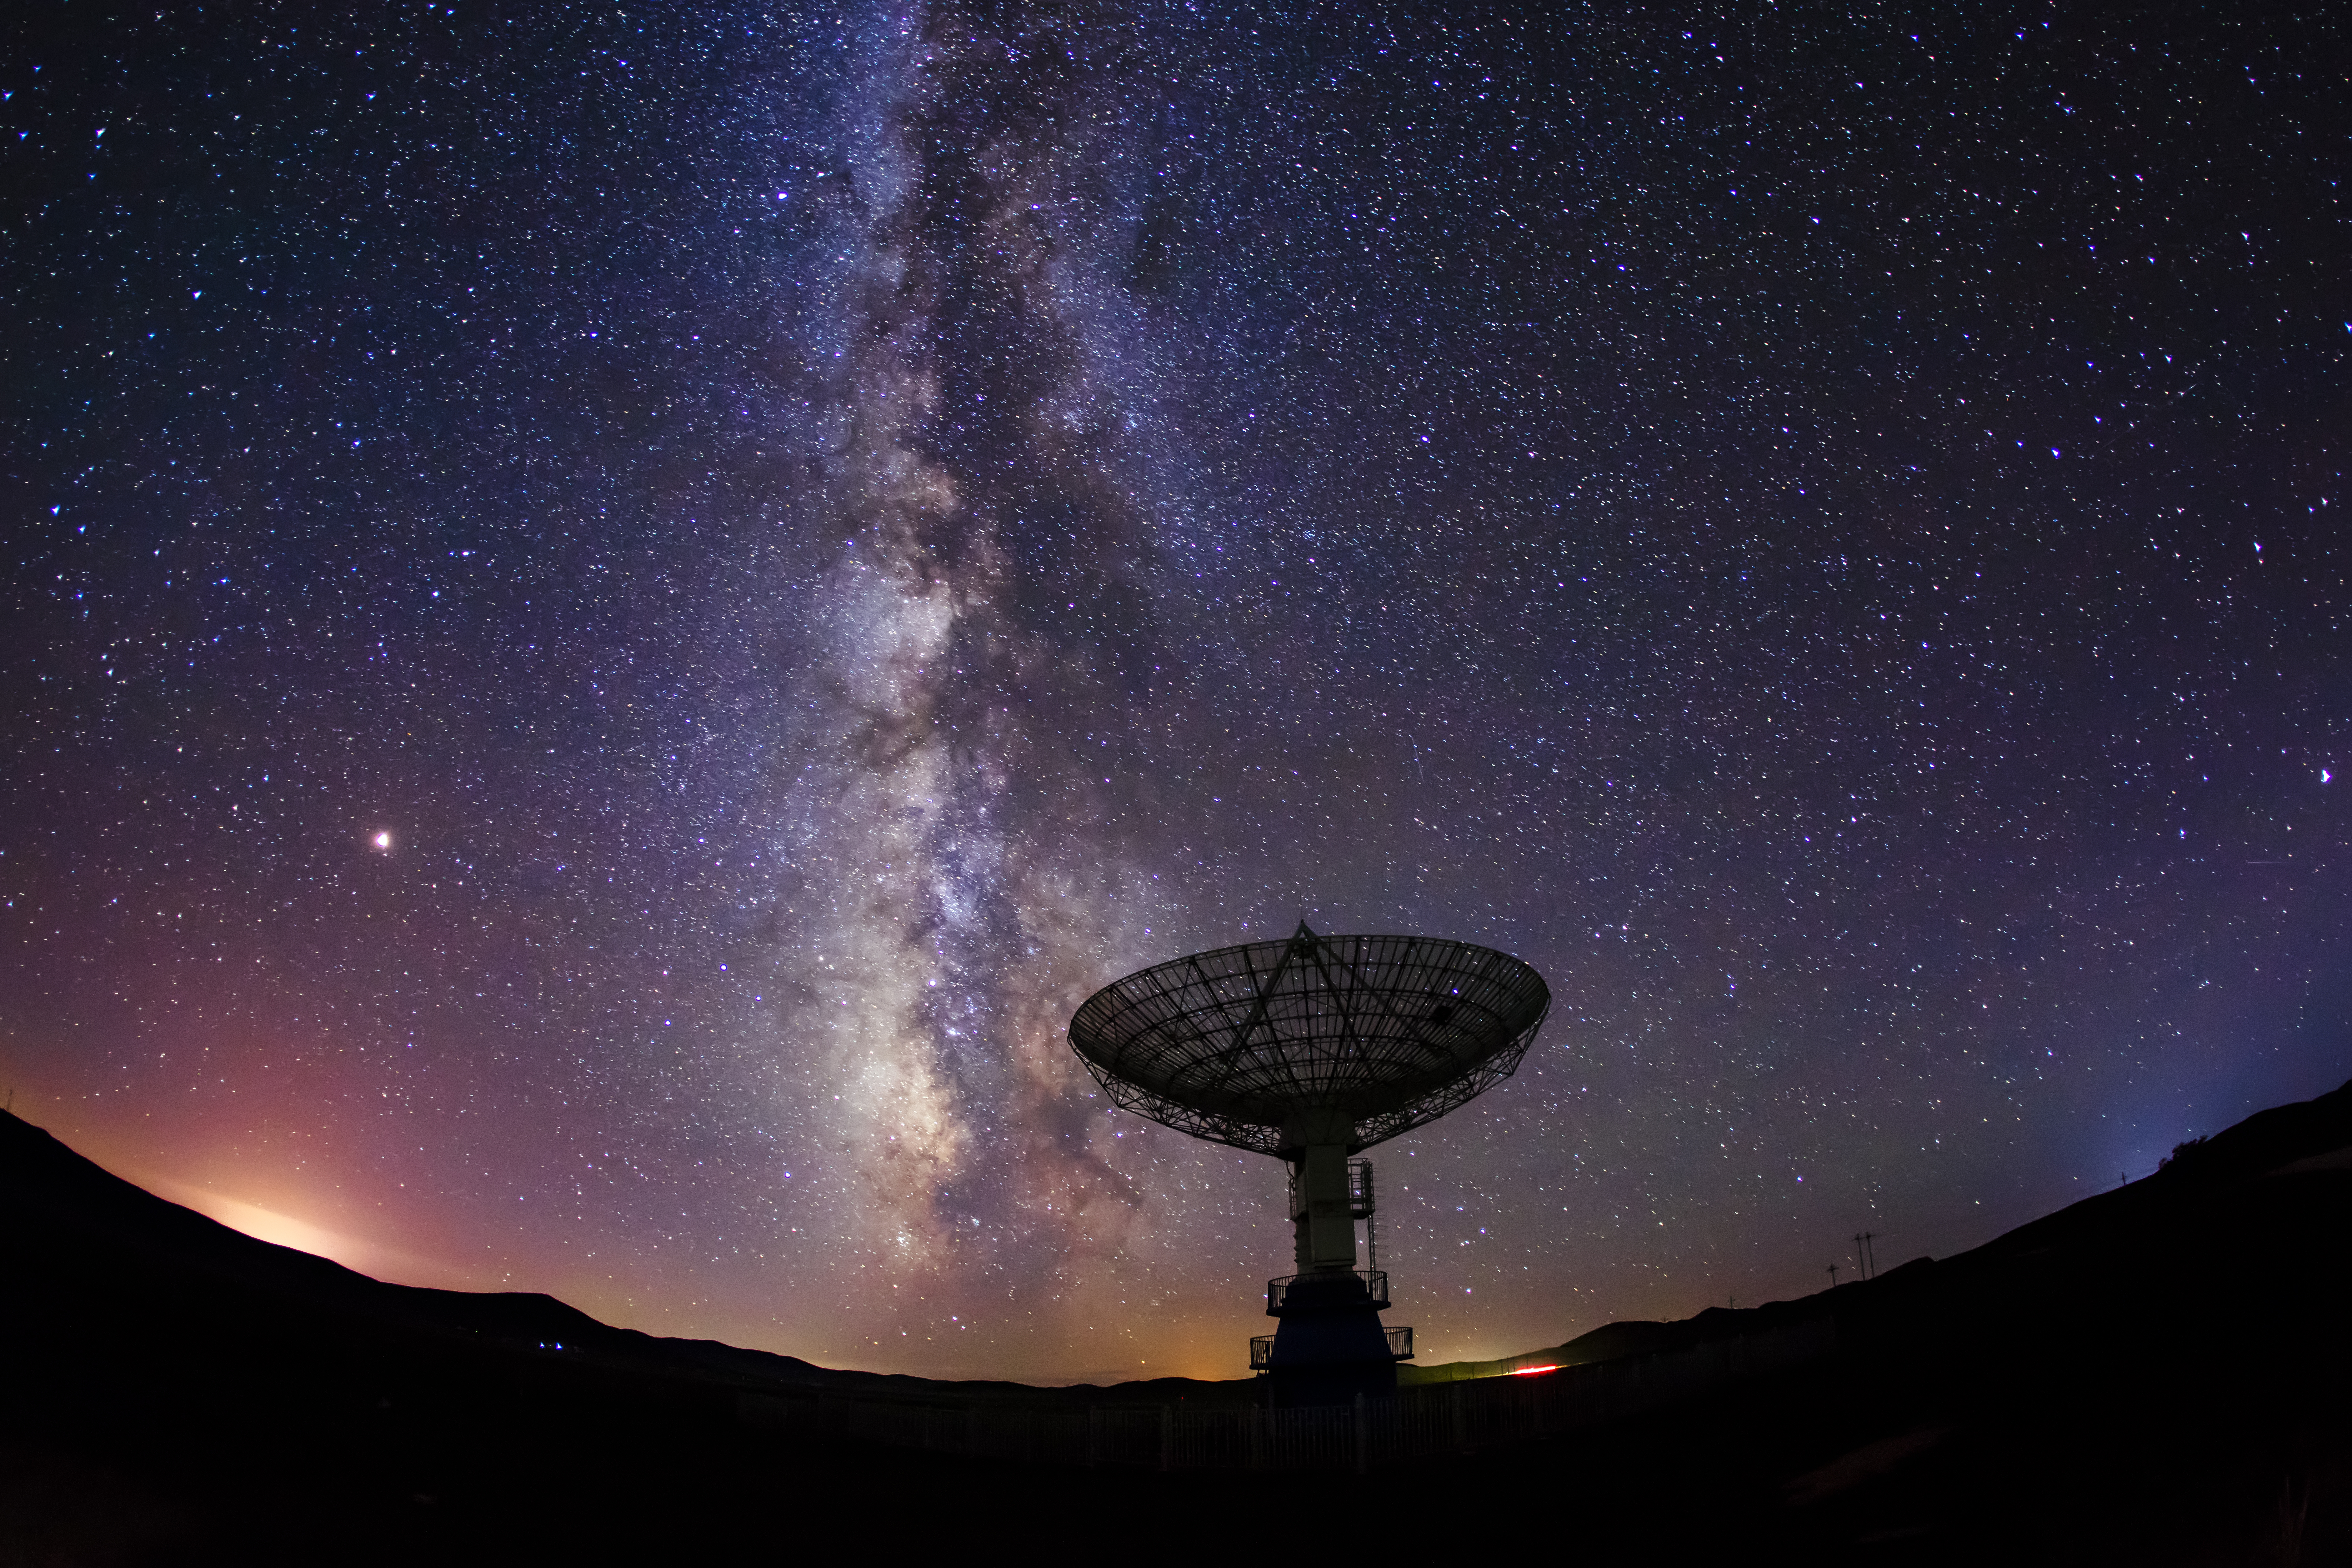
[1832, 1276]
[1859, 1261]
[1869, 1254]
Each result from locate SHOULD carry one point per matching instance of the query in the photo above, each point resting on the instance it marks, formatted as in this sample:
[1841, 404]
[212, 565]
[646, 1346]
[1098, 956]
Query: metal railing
[1261, 1347]
[1374, 1281]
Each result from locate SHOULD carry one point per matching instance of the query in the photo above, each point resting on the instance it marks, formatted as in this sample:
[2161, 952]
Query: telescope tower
[1313, 1049]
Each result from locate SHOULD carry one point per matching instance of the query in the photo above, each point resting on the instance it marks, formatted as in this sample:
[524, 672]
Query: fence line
[1416, 1423]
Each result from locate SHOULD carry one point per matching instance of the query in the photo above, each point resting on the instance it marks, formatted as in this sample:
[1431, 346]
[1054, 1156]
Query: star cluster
[612, 612]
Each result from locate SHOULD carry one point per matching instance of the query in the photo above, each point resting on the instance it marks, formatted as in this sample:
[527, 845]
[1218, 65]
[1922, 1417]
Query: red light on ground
[1531, 1371]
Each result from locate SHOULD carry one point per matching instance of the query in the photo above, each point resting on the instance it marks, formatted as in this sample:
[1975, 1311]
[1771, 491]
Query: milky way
[614, 614]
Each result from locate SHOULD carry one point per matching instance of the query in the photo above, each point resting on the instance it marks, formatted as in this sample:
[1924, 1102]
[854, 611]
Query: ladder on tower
[1361, 1207]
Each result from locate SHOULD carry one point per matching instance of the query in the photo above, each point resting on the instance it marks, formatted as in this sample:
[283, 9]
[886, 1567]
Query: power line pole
[1870, 1254]
[1860, 1262]
[1832, 1276]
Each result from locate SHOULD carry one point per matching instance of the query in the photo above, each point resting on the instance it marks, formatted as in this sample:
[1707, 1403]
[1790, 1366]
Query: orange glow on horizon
[361, 1254]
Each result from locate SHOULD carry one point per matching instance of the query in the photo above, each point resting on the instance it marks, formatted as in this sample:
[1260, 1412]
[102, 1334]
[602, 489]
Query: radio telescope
[1313, 1049]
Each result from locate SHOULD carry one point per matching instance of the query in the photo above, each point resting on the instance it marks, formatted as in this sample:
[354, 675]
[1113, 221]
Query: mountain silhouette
[2154, 1374]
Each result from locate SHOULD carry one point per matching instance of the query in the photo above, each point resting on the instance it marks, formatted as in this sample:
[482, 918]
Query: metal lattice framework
[1393, 1031]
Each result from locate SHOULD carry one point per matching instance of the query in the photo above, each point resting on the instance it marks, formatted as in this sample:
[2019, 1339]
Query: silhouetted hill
[47, 1190]
[2147, 1230]
[2154, 1374]
[2129, 1228]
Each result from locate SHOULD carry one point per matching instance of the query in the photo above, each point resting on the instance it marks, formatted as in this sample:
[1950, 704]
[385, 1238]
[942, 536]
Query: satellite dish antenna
[1313, 1049]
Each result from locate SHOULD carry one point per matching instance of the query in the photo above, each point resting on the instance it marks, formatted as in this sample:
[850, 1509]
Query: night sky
[610, 614]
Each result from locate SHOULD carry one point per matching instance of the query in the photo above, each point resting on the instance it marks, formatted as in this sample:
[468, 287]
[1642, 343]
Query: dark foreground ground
[2157, 1375]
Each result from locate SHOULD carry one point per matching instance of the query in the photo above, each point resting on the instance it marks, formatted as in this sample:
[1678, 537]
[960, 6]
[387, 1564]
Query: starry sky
[612, 611]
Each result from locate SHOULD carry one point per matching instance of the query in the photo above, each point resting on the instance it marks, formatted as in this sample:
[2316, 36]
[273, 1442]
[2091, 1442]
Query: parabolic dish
[1392, 1030]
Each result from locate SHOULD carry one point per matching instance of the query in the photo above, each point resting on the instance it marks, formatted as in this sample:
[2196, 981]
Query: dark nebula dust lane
[612, 616]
